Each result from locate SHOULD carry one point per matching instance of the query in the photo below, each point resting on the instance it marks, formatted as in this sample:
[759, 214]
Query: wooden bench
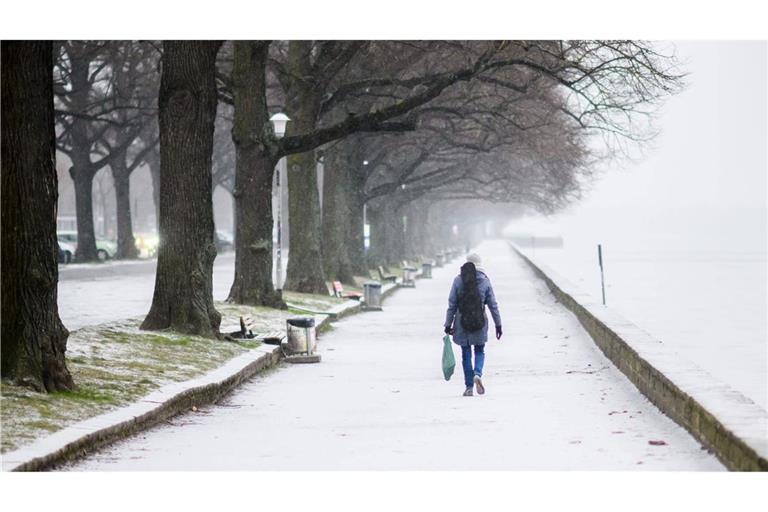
[386, 277]
[338, 291]
[271, 338]
[246, 333]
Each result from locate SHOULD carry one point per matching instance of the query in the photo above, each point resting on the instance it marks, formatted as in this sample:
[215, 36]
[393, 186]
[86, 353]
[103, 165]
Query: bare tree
[84, 106]
[605, 86]
[134, 78]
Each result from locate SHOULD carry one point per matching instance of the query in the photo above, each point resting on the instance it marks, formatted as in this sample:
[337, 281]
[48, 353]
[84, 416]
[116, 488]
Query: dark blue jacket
[453, 315]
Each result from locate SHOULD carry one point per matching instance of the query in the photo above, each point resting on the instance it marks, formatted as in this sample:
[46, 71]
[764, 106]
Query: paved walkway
[378, 399]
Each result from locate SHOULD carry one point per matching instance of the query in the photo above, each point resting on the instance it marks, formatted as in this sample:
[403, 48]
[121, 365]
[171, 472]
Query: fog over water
[684, 229]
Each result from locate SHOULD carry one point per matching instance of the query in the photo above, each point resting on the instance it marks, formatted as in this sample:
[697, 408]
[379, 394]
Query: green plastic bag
[449, 362]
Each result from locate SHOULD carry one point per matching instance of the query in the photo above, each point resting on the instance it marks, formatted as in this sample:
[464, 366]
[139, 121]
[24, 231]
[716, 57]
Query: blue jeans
[466, 363]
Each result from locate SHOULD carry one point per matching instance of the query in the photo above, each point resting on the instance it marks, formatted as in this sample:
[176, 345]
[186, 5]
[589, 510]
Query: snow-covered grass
[314, 302]
[116, 363]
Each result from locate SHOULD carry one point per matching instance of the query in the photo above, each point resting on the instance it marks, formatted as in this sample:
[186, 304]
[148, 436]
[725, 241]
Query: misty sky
[712, 148]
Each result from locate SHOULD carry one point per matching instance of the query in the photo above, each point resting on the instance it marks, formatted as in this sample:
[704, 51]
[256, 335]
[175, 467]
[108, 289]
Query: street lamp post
[279, 122]
[366, 227]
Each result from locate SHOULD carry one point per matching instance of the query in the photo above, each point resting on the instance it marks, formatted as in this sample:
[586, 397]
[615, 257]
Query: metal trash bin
[300, 335]
[426, 270]
[439, 260]
[409, 277]
[372, 295]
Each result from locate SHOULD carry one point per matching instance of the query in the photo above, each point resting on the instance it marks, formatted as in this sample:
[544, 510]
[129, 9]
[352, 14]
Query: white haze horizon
[684, 229]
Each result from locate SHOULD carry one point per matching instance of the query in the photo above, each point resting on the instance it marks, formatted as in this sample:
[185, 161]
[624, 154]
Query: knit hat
[475, 258]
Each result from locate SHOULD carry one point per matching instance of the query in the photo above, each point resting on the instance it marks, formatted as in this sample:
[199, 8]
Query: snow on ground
[378, 400]
[709, 310]
[695, 279]
[98, 293]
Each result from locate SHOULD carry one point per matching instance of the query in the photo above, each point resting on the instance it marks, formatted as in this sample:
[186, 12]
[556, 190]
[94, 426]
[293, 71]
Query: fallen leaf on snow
[657, 442]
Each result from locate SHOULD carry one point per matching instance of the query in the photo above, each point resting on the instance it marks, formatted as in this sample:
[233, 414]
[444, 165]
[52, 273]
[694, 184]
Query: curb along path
[378, 399]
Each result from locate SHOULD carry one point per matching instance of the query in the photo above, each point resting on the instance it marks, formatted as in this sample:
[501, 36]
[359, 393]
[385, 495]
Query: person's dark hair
[470, 302]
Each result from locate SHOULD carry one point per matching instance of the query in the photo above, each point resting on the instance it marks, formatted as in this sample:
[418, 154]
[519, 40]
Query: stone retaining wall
[723, 420]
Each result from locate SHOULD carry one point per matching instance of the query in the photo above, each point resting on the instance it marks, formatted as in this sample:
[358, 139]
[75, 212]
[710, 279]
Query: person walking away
[467, 322]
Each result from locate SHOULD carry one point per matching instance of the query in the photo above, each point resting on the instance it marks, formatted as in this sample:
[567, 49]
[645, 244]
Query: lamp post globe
[279, 122]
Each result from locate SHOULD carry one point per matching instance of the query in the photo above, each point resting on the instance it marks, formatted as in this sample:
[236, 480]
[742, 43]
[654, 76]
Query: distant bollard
[301, 336]
[426, 270]
[372, 295]
[409, 277]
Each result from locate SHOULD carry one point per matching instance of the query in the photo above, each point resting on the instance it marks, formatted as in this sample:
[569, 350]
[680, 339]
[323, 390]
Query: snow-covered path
[378, 399]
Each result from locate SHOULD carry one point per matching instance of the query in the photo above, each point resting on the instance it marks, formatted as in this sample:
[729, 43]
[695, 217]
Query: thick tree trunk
[378, 236]
[354, 192]
[82, 177]
[254, 169]
[82, 171]
[387, 234]
[354, 243]
[336, 219]
[344, 197]
[396, 227]
[183, 298]
[126, 243]
[34, 340]
[305, 261]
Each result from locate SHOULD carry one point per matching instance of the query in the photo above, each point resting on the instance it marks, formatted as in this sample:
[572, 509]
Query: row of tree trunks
[254, 170]
[34, 340]
[183, 297]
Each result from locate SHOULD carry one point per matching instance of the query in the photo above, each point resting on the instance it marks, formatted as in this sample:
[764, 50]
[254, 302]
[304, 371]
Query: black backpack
[470, 303]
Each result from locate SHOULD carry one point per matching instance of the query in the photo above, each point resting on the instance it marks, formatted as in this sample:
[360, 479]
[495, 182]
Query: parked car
[105, 249]
[224, 241]
[66, 252]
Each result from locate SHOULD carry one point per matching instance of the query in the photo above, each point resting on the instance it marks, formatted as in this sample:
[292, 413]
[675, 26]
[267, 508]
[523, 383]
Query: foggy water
[694, 279]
